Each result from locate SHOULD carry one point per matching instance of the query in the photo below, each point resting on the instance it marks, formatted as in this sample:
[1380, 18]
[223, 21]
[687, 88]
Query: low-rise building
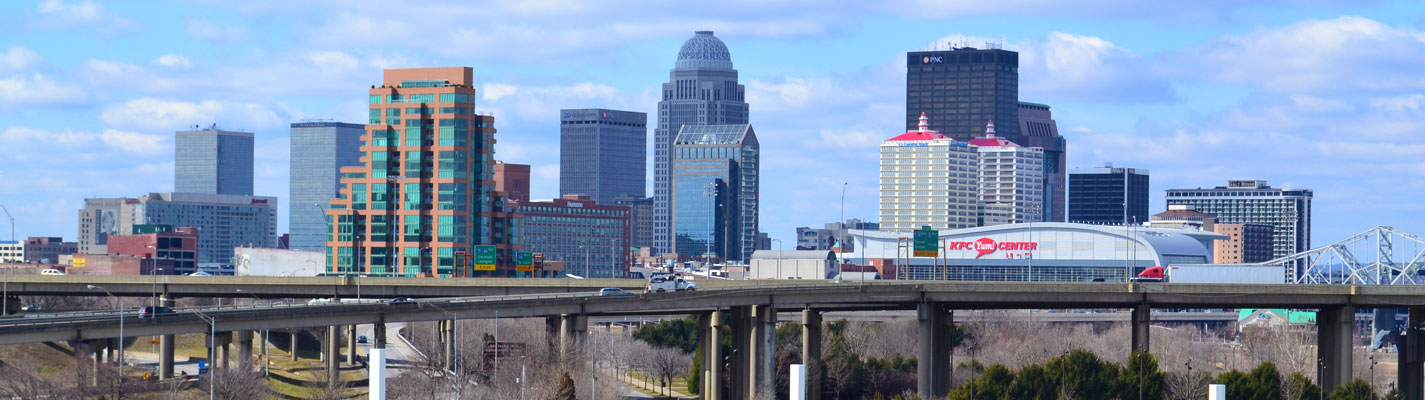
[251, 261]
[165, 250]
[589, 238]
[832, 233]
[794, 264]
[46, 250]
[12, 251]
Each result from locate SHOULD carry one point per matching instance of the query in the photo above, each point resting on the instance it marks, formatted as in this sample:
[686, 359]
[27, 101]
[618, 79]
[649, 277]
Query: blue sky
[1323, 94]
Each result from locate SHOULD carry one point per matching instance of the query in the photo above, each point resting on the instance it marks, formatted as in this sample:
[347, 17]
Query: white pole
[798, 382]
[1217, 392]
[377, 383]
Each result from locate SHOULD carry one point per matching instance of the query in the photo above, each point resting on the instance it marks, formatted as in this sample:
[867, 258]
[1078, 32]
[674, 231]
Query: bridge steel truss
[1382, 255]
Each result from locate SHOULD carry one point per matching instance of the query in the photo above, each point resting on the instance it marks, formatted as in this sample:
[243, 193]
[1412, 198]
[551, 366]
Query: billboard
[926, 242]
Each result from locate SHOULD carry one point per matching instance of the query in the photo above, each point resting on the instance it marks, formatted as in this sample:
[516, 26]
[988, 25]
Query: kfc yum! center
[1039, 252]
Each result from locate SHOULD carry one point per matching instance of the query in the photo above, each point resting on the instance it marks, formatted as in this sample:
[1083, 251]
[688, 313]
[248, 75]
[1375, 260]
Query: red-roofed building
[928, 179]
[1011, 180]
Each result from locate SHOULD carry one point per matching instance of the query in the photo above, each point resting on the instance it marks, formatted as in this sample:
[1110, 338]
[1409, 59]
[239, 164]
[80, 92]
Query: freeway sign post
[484, 258]
[926, 242]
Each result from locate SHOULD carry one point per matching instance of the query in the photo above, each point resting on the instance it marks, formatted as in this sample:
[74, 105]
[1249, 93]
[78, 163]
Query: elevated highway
[302, 287]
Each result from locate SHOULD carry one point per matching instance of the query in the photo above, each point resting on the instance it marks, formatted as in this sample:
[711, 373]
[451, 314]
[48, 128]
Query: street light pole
[6, 302]
[840, 254]
[779, 257]
[119, 307]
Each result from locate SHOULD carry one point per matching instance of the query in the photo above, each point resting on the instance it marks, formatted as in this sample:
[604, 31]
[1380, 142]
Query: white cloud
[56, 14]
[860, 138]
[165, 115]
[133, 143]
[37, 89]
[18, 59]
[328, 60]
[173, 60]
[1332, 56]
[495, 91]
[1079, 68]
[202, 29]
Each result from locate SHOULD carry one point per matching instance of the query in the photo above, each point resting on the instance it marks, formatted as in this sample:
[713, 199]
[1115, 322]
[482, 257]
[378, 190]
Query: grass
[50, 361]
[635, 381]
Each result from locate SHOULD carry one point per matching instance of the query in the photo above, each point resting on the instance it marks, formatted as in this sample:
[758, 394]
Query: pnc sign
[984, 246]
[932, 60]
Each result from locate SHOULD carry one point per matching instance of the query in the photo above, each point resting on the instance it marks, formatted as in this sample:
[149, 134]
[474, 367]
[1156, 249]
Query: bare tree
[667, 363]
[18, 380]
[1187, 385]
[323, 388]
[238, 382]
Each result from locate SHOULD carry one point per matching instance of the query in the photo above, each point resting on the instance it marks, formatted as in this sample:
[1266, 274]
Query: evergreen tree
[1151, 382]
[1356, 389]
[1299, 387]
[566, 389]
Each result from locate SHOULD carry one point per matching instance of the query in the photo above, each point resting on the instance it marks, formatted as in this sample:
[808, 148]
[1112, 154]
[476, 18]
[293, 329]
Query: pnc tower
[424, 199]
[961, 88]
[702, 90]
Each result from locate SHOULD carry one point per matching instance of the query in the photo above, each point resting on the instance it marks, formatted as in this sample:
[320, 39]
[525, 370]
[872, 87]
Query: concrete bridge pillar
[552, 332]
[85, 349]
[572, 330]
[1141, 319]
[379, 331]
[330, 344]
[811, 352]
[1333, 345]
[933, 362]
[711, 342]
[351, 344]
[1411, 372]
[244, 344]
[165, 345]
[763, 350]
[450, 344]
[741, 324]
[294, 335]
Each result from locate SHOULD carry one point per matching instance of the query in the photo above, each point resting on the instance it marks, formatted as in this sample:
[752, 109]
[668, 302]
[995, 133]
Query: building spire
[924, 123]
[990, 129]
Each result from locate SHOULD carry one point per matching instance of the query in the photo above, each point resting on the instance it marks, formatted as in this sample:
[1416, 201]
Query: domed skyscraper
[702, 90]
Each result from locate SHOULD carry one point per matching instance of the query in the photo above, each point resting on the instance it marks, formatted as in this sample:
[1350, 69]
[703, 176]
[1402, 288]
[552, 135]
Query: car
[51, 271]
[32, 308]
[361, 339]
[400, 300]
[200, 273]
[151, 311]
[613, 291]
[660, 284]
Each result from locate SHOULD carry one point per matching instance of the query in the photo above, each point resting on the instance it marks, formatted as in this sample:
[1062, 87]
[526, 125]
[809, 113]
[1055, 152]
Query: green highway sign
[484, 258]
[926, 242]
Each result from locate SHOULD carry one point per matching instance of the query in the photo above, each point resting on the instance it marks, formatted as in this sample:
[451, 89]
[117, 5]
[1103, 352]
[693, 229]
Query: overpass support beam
[1333, 345]
[165, 344]
[379, 331]
[572, 330]
[763, 350]
[449, 340]
[1141, 319]
[330, 344]
[552, 332]
[1411, 371]
[711, 343]
[351, 344]
[811, 352]
[244, 343]
[740, 383]
[294, 335]
[933, 362]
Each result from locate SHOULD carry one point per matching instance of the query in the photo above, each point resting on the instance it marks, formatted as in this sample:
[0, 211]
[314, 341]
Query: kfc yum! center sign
[986, 246]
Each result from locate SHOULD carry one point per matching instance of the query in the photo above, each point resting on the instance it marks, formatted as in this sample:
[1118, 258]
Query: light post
[455, 321]
[120, 309]
[780, 254]
[710, 190]
[313, 263]
[6, 302]
[840, 254]
[212, 352]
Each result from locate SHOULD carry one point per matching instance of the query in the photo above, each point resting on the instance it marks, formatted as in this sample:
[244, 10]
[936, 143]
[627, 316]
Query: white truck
[668, 283]
[1207, 273]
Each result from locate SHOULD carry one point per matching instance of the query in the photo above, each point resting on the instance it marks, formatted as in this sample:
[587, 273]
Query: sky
[1320, 94]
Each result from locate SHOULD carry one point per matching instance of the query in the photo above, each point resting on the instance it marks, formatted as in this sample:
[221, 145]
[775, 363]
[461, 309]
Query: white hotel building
[1011, 180]
[928, 179]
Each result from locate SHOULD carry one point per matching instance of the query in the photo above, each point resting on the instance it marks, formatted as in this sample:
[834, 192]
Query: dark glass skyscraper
[962, 89]
[702, 90]
[319, 151]
[213, 161]
[1108, 195]
[715, 185]
[1038, 129]
[602, 153]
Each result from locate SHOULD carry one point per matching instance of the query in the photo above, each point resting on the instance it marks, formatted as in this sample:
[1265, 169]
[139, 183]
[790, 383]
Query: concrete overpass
[751, 313]
[302, 287]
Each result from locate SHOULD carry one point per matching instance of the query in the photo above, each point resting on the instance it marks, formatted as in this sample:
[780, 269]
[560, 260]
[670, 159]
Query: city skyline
[1196, 107]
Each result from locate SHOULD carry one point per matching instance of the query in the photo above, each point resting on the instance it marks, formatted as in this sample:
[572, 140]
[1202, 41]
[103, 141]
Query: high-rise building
[702, 89]
[99, 219]
[1011, 180]
[1108, 195]
[1246, 243]
[512, 180]
[928, 179]
[590, 238]
[1038, 129]
[425, 195]
[46, 250]
[319, 151]
[715, 191]
[1287, 210]
[213, 161]
[223, 221]
[961, 88]
[602, 153]
[641, 218]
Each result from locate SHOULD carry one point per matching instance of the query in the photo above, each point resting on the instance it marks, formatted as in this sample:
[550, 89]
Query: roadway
[271, 287]
[785, 295]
